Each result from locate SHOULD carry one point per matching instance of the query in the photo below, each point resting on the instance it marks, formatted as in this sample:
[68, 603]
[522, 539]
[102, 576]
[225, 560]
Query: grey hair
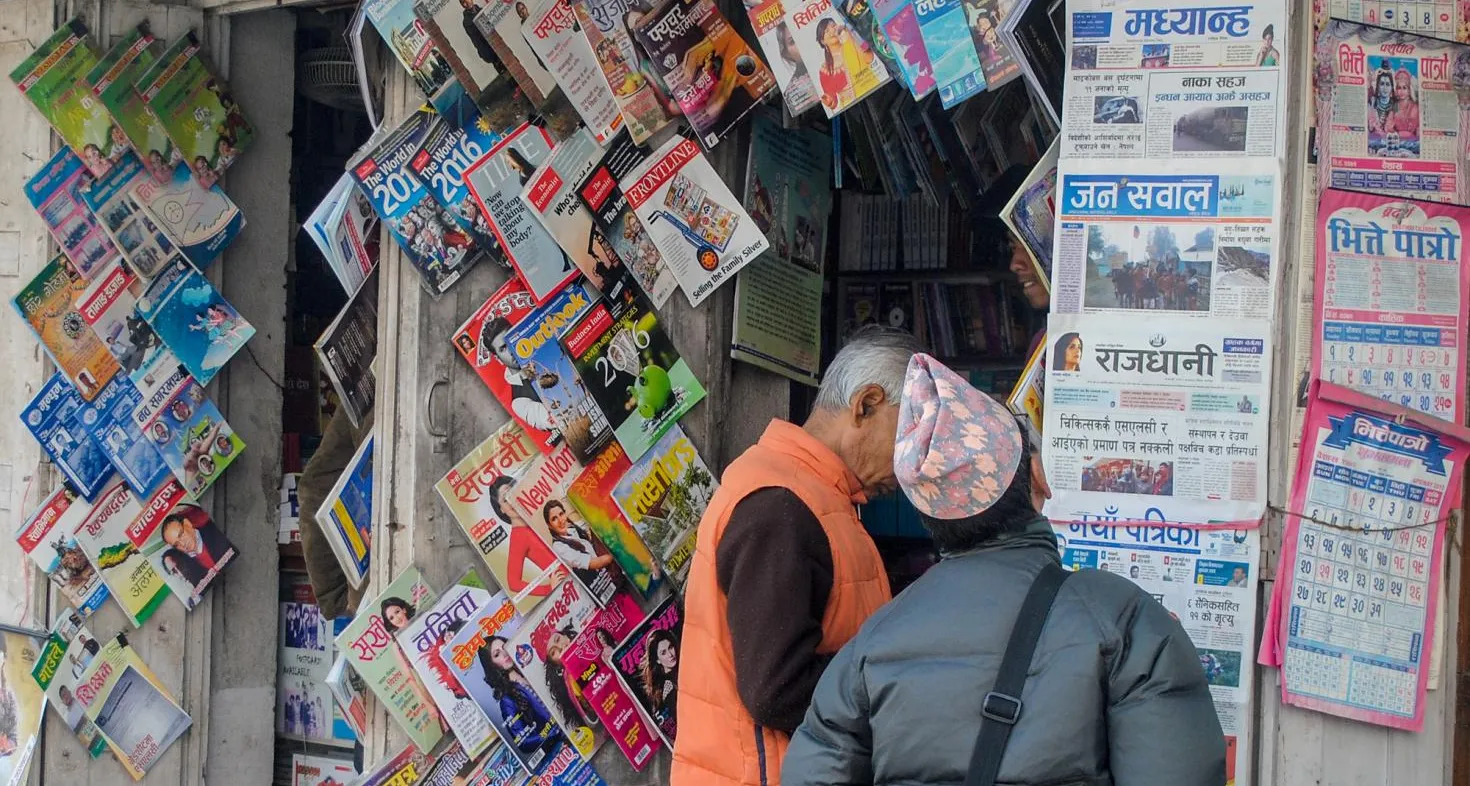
[874, 355]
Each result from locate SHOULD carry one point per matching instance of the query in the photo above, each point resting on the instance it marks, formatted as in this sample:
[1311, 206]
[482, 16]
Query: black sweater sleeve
[774, 565]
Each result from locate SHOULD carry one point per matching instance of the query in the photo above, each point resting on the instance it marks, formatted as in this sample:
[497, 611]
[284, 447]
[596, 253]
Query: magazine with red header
[538, 649]
[589, 663]
[483, 341]
[552, 196]
[604, 199]
[181, 542]
[592, 495]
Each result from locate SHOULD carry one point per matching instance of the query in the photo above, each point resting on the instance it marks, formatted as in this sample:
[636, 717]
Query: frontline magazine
[698, 226]
[591, 495]
[196, 109]
[346, 515]
[347, 348]
[104, 537]
[604, 199]
[483, 342]
[375, 656]
[648, 659]
[200, 220]
[664, 495]
[440, 164]
[47, 536]
[55, 191]
[566, 541]
[46, 304]
[144, 246]
[53, 78]
[189, 432]
[54, 418]
[113, 80]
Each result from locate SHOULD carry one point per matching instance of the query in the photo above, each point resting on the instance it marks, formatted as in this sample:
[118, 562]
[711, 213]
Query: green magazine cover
[53, 78]
[196, 110]
[113, 81]
[591, 495]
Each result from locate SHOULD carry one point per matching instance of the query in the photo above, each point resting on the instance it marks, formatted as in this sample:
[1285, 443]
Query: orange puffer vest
[719, 743]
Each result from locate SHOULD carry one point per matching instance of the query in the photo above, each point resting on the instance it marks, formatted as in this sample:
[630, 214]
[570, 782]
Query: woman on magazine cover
[525, 717]
[835, 81]
[564, 692]
[525, 544]
[661, 673]
[574, 545]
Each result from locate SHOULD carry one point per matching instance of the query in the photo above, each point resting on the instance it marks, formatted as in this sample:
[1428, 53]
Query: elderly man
[784, 573]
[996, 663]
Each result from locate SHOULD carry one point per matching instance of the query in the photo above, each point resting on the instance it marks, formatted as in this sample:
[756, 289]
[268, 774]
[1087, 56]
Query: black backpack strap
[1002, 706]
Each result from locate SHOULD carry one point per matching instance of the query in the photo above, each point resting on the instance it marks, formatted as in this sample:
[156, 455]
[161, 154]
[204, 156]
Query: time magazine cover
[634, 81]
[591, 495]
[375, 656]
[631, 369]
[565, 541]
[604, 199]
[846, 68]
[483, 342]
[144, 246]
[47, 536]
[552, 197]
[580, 421]
[113, 80]
[103, 536]
[55, 418]
[110, 307]
[46, 303]
[199, 326]
[189, 432]
[496, 182]
[55, 191]
[67, 652]
[109, 419]
[440, 165]
[557, 40]
[538, 648]
[53, 78]
[201, 221]
[712, 72]
[664, 496]
[196, 109]
[649, 662]
[181, 542]
[422, 642]
[589, 664]
[431, 239]
[698, 226]
[500, 22]
[130, 707]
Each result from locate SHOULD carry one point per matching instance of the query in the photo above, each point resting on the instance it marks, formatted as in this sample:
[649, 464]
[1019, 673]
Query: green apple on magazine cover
[196, 109]
[54, 79]
[372, 652]
[421, 642]
[778, 297]
[591, 494]
[664, 495]
[65, 655]
[103, 536]
[113, 82]
[631, 369]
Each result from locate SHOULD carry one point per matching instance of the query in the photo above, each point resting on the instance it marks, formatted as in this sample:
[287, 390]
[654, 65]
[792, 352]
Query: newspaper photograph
[1206, 579]
[1174, 410]
[1140, 237]
[1389, 117]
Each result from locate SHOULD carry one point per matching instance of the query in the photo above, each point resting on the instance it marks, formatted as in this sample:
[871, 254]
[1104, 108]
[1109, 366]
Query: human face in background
[1031, 288]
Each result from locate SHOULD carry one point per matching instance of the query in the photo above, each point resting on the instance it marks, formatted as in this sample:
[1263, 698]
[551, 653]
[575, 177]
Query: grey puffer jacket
[1115, 693]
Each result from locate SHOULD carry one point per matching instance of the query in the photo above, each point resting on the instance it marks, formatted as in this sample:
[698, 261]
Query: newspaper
[1140, 237]
[1172, 410]
[347, 349]
[1392, 301]
[1388, 112]
[1306, 323]
[1445, 19]
[1207, 580]
[1194, 79]
[1353, 614]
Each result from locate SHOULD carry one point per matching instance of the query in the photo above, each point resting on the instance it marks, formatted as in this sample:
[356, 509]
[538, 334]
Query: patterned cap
[957, 448]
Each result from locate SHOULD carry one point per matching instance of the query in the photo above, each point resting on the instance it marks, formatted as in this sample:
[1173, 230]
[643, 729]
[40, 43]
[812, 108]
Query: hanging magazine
[699, 227]
[53, 78]
[649, 661]
[664, 496]
[109, 306]
[372, 653]
[347, 348]
[341, 227]
[104, 536]
[189, 431]
[347, 693]
[587, 664]
[182, 543]
[500, 22]
[25, 705]
[307, 770]
[346, 515]
[47, 536]
[56, 194]
[634, 82]
[600, 193]
[54, 418]
[631, 369]
[984, 17]
[592, 495]
[538, 647]
[900, 25]
[199, 326]
[552, 197]
[67, 653]
[109, 420]
[946, 36]
[714, 75]
[539, 498]
[432, 242]
[534, 340]
[130, 707]
[144, 246]
[773, 33]
[201, 221]
[483, 342]
[496, 182]
[440, 165]
[450, 26]
[196, 108]
[557, 39]
[113, 80]
[46, 304]
[845, 67]
[400, 29]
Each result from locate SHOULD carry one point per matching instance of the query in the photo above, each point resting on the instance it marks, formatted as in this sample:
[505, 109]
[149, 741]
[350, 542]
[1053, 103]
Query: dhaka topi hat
[957, 448]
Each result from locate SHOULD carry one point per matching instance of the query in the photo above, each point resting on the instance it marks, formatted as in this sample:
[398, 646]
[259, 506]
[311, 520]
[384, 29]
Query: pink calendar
[1351, 623]
[1392, 300]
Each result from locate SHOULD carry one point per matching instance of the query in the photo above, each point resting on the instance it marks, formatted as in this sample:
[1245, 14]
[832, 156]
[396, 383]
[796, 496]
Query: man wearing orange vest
[784, 573]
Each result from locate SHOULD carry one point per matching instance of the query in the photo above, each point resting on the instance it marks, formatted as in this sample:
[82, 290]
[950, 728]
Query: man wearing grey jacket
[1114, 693]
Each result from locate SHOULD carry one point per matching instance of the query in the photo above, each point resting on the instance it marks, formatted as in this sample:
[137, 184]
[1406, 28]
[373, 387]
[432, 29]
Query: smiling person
[784, 573]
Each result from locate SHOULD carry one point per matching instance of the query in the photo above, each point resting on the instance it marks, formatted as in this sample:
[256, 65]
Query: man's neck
[822, 426]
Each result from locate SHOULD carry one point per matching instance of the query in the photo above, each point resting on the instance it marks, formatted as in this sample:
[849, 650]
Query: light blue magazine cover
[201, 222]
[201, 328]
[952, 55]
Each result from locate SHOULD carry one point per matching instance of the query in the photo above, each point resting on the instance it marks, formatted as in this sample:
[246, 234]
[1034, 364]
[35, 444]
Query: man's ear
[866, 401]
